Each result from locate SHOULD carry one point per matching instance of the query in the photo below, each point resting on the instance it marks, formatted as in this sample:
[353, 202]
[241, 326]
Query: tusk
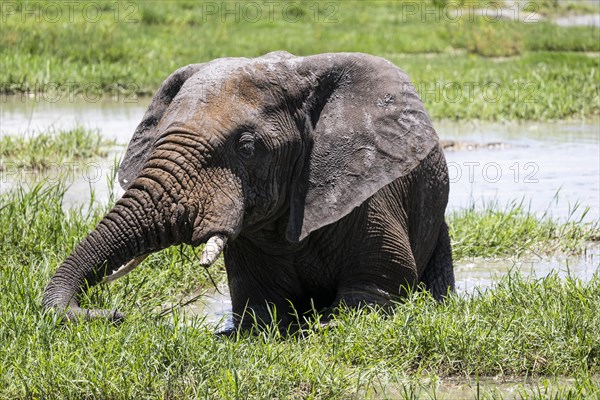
[125, 269]
[212, 250]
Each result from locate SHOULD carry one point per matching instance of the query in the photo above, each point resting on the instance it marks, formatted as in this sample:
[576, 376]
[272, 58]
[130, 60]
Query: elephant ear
[146, 134]
[367, 128]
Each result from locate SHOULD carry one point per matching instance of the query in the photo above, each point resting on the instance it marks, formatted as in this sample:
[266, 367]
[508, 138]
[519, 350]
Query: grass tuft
[52, 148]
[513, 230]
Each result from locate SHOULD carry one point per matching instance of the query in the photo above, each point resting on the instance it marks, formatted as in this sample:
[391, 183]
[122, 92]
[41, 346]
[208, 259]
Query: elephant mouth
[213, 248]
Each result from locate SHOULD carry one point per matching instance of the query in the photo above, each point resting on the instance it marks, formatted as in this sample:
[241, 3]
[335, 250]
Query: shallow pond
[115, 118]
[550, 166]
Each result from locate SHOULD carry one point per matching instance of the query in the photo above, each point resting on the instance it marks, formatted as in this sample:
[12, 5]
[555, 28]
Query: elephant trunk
[169, 203]
[133, 228]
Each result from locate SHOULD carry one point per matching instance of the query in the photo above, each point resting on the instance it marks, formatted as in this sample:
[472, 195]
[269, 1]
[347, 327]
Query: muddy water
[578, 20]
[477, 274]
[213, 304]
[552, 167]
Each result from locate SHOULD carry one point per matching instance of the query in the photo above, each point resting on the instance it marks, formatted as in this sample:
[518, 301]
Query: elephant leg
[385, 273]
[260, 291]
[438, 276]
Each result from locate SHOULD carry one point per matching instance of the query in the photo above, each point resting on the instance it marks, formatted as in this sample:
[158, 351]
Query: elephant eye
[246, 145]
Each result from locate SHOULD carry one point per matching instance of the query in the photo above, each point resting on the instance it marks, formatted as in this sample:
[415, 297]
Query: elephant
[319, 178]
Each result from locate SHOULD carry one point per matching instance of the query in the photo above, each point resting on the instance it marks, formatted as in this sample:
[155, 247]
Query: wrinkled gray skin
[323, 173]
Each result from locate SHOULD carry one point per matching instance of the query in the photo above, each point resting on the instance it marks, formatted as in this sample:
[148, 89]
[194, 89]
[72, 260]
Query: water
[528, 14]
[551, 166]
[524, 12]
[212, 304]
[578, 20]
[480, 387]
[476, 274]
[115, 118]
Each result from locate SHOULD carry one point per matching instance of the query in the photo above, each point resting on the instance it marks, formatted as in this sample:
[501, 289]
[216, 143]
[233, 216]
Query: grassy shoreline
[464, 68]
[531, 87]
[512, 332]
[522, 328]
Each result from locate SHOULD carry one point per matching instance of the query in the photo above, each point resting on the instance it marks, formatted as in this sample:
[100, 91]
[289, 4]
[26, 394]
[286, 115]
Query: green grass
[34, 225]
[133, 46]
[494, 231]
[52, 148]
[536, 86]
[537, 328]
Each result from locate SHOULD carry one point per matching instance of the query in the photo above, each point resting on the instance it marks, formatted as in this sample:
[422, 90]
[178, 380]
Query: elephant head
[235, 146]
